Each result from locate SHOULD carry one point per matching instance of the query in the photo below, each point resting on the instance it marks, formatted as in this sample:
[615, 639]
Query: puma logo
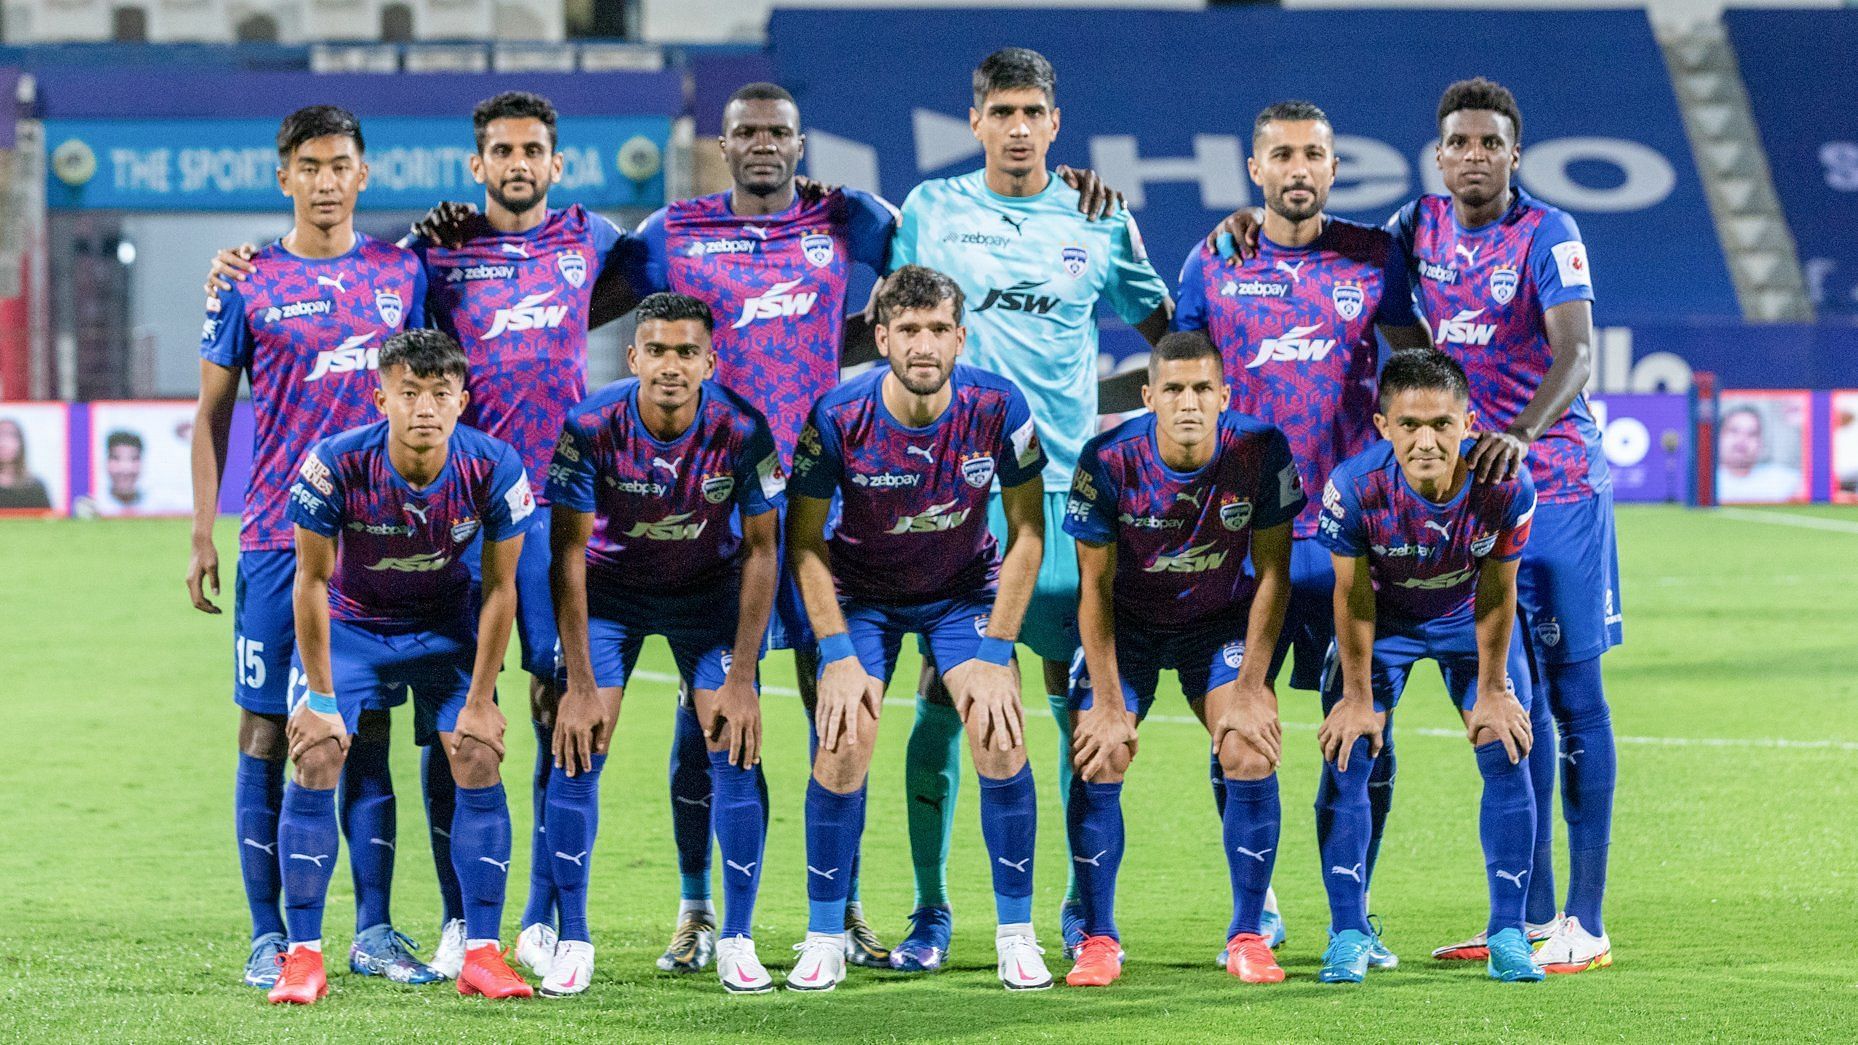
[413, 510]
[317, 860]
[1092, 861]
[501, 865]
[1018, 226]
[701, 803]
[669, 466]
[1351, 872]
[1257, 855]
[1296, 270]
[382, 841]
[747, 869]
[1444, 531]
[920, 451]
[1469, 254]
[1515, 879]
[333, 281]
[255, 844]
[578, 859]
[827, 875]
[1020, 866]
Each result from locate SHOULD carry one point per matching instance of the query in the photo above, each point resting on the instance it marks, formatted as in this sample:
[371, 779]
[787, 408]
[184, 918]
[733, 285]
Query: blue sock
[481, 851]
[1217, 775]
[1342, 826]
[257, 794]
[435, 774]
[1009, 823]
[540, 908]
[1539, 905]
[366, 808]
[691, 805]
[1253, 817]
[1589, 771]
[1094, 822]
[307, 841]
[740, 831]
[833, 823]
[573, 820]
[1380, 800]
[1061, 713]
[1506, 826]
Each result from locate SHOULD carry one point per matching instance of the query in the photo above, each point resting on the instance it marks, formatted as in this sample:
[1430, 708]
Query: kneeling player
[1165, 508]
[1425, 567]
[912, 449]
[647, 478]
[382, 602]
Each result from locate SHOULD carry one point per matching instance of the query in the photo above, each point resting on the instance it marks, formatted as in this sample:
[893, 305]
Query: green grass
[1733, 881]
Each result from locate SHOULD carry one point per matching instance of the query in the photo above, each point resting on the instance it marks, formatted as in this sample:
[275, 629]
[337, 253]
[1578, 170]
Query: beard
[538, 193]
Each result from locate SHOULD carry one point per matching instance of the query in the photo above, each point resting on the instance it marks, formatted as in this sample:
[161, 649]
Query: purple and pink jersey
[309, 333]
[1423, 556]
[776, 284]
[1295, 327]
[663, 508]
[1485, 292]
[1182, 538]
[914, 527]
[517, 303]
[400, 552]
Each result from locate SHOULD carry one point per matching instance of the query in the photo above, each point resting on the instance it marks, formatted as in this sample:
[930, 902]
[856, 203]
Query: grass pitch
[1733, 882]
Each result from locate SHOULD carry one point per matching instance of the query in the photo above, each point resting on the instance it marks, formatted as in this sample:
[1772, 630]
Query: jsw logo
[777, 303]
[1197, 559]
[424, 562]
[1443, 580]
[1294, 345]
[1459, 330]
[670, 528]
[938, 517]
[527, 314]
[1016, 299]
[347, 358]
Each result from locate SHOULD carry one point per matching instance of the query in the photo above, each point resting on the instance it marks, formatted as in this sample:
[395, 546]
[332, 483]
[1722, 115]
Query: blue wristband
[995, 651]
[834, 648]
[322, 703]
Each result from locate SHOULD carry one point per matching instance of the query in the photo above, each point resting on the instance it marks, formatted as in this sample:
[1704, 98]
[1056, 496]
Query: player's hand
[1499, 716]
[307, 728]
[1496, 456]
[987, 699]
[580, 731]
[845, 690]
[1094, 199]
[735, 720]
[1103, 738]
[203, 575]
[229, 267]
[445, 223]
[1252, 716]
[810, 191]
[482, 721]
[1237, 236]
[1351, 719]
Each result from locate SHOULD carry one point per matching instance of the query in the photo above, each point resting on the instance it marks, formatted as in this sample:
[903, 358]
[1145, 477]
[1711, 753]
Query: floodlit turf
[1733, 898]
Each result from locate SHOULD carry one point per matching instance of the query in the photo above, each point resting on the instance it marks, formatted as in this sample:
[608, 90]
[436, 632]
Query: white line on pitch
[1805, 522]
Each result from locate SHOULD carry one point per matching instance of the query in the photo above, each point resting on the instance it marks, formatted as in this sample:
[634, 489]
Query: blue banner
[1161, 104]
[1798, 68]
[231, 165]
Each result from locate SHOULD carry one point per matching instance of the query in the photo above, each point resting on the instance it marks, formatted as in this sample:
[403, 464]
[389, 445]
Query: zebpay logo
[1017, 298]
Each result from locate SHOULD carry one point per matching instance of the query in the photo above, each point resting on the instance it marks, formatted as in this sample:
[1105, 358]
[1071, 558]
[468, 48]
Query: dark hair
[1742, 408]
[427, 352]
[1479, 93]
[1292, 111]
[1423, 369]
[1013, 68]
[122, 437]
[670, 308]
[761, 92]
[915, 287]
[513, 105]
[316, 121]
[1183, 346]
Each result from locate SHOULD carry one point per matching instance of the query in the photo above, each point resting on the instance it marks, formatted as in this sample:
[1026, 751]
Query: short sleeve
[316, 493]
[512, 502]
[1281, 496]
[909, 226]
[604, 234]
[1090, 511]
[1190, 307]
[571, 472]
[650, 270]
[1339, 526]
[870, 225]
[817, 466]
[1396, 307]
[416, 308]
[760, 485]
[1131, 284]
[226, 339]
[1517, 521]
[1021, 457]
[1558, 262]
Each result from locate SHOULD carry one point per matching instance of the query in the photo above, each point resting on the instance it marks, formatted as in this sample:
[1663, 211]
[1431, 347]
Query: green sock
[1061, 710]
[931, 779]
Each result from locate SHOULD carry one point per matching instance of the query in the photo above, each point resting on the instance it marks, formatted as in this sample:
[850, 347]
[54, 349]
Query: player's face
[125, 470]
[672, 359]
[1740, 442]
[1293, 161]
[12, 444]
[1425, 426]
[421, 411]
[517, 165]
[1186, 396]
[1015, 128]
[1477, 154]
[921, 344]
[762, 143]
[322, 179]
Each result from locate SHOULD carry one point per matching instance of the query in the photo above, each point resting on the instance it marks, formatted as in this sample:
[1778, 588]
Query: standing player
[1295, 322]
[1010, 234]
[307, 325]
[1425, 567]
[384, 514]
[1503, 281]
[1166, 507]
[912, 450]
[649, 479]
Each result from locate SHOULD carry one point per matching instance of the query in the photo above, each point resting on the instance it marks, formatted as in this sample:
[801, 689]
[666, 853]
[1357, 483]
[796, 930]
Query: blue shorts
[1450, 642]
[1205, 655]
[535, 604]
[264, 632]
[373, 669]
[1567, 588]
[1050, 625]
[952, 629]
[1309, 618]
[788, 625]
[700, 626]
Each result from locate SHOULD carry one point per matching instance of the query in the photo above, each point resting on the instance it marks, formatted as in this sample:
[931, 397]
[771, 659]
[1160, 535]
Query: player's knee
[321, 766]
[543, 699]
[475, 764]
[262, 736]
[995, 764]
[1240, 761]
[1112, 770]
[843, 770]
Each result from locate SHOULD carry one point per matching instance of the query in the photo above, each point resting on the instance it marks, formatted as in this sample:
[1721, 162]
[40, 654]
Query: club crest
[717, 488]
[1548, 633]
[818, 248]
[1076, 260]
[1503, 284]
[573, 266]
[390, 307]
[1347, 298]
[1233, 515]
[1233, 653]
[978, 471]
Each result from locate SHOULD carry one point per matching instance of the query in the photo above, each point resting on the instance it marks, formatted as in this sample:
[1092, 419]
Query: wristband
[834, 648]
[995, 651]
[322, 703]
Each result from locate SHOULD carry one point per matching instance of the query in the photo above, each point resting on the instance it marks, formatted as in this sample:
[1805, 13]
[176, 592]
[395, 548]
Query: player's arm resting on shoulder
[1254, 714]
[579, 717]
[1497, 715]
[445, 223]
[230, 265]
[1499, 455]
[219, 391]
[1237, 236]
[613, 296]
[317, 719]
[1094, 199]
[737, 704]
[843, 683]
[1155, 327]
[1353, 715]
[1121, 393]
[481, 720]
[1103, 736]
